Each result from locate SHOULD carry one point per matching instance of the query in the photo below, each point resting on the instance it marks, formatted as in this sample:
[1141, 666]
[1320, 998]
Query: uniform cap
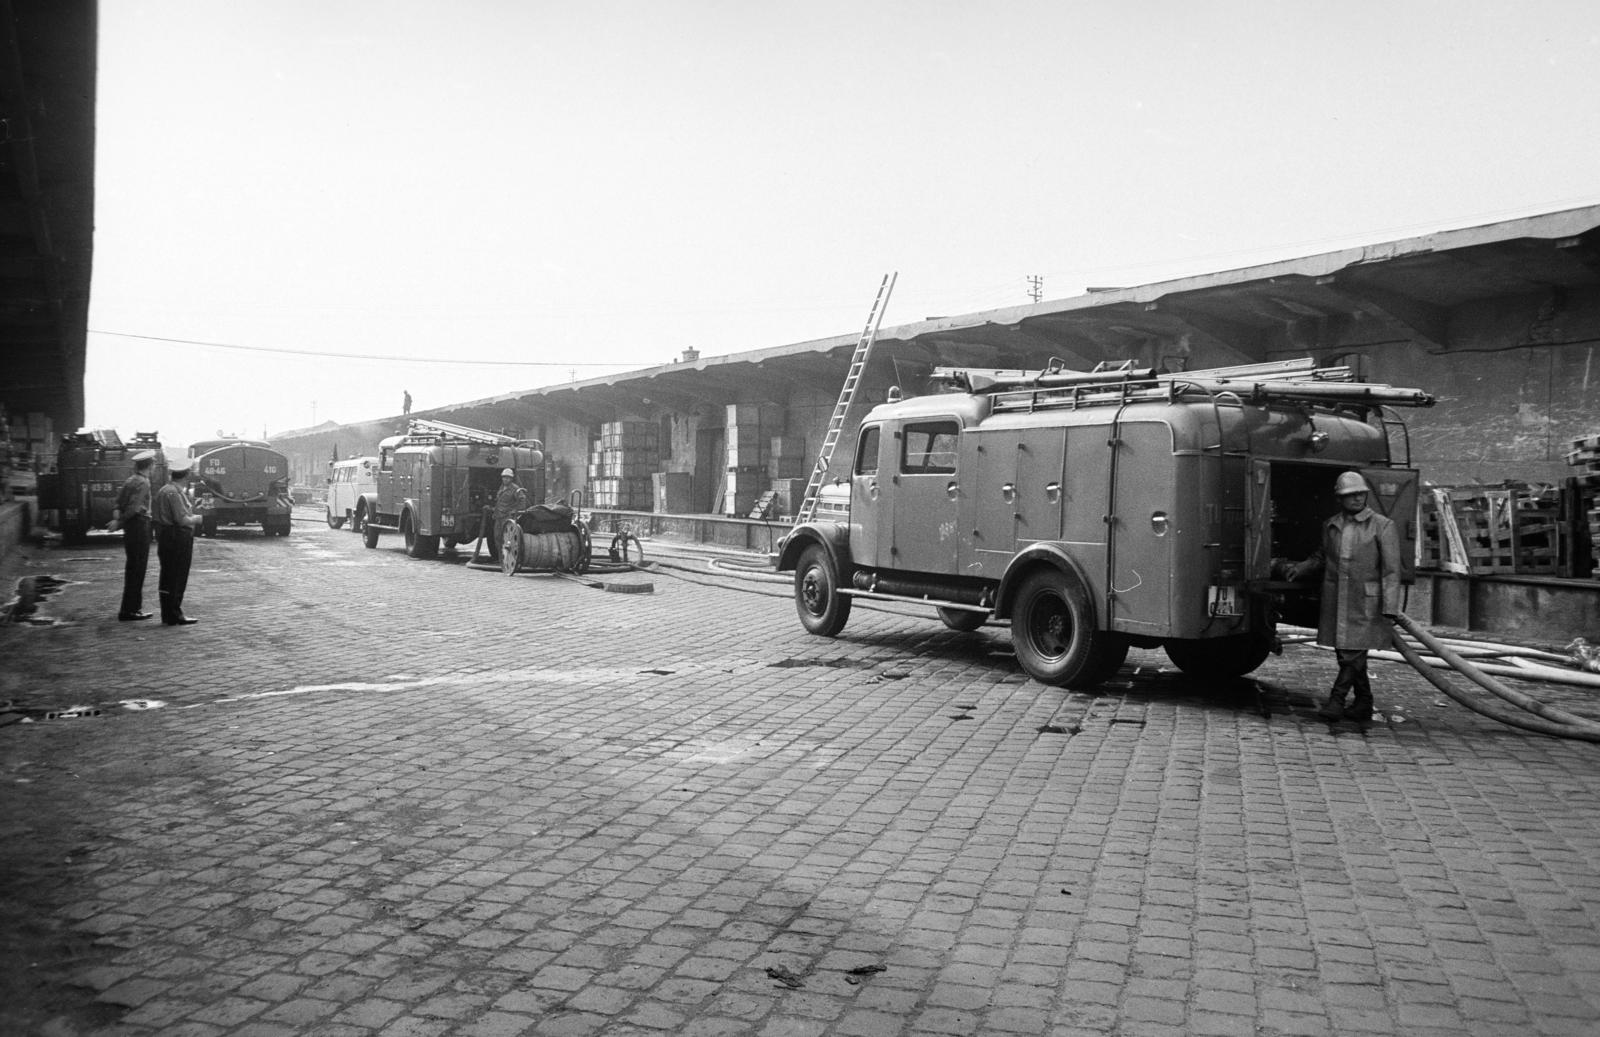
[507, 471]
[1350, 482]
[144, 455]
[180, 469]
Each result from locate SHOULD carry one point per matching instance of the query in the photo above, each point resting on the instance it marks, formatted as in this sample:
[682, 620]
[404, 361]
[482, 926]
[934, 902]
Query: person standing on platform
[175, 522]
[132, 516]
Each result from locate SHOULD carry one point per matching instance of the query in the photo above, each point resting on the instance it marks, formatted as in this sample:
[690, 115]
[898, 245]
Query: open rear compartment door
[1394, 495]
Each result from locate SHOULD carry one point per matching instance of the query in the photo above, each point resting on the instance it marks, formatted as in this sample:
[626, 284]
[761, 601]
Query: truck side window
[867, 451]
[929, 448]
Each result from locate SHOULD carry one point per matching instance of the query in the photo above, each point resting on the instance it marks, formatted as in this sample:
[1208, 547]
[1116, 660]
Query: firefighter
[1360, 565]
[510, 499]
[132, 516]
[175, 523]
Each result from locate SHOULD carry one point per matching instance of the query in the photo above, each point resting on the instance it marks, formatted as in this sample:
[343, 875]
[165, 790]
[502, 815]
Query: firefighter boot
[1333, 709]
[1360, 708]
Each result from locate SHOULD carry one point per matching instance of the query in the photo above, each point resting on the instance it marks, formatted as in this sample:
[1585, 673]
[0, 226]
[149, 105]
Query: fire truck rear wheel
[417, 545]
[1220, 658]
[962, 620]
[823, 610]
[1053, 632]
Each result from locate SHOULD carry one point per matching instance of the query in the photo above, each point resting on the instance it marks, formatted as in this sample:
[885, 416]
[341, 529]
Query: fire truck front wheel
[822, 609]
[1053, 632]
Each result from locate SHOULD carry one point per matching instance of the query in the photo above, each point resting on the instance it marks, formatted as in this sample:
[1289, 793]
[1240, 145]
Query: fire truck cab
[433, 483]
[1101, 511]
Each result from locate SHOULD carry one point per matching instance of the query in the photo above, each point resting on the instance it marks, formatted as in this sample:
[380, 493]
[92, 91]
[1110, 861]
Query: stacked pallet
[1585, 486]
[1511, 528]
[622, 463]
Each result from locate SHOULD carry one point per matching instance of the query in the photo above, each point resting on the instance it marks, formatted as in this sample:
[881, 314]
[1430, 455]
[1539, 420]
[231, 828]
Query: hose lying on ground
[1546, 720]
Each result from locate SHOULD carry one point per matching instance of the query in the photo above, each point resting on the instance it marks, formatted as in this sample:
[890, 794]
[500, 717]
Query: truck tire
[823, 610]
[369, 534]
[962, 620]
[417, 545]
[358, 521]
[1053, 631]
[334, 522]
[1220, 658]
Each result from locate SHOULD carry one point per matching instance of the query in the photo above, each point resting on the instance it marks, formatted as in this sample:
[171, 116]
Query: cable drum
[540, 552]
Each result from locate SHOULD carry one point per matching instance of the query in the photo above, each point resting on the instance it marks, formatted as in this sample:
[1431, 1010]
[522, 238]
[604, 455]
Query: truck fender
[834, 538]
[1035, 555]
[371, 502]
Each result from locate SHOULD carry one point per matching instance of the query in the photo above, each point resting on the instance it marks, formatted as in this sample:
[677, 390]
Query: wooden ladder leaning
[858, 366]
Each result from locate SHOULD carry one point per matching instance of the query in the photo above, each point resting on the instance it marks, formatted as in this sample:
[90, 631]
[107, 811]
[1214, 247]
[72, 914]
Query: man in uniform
[1360, 565]
[132, 515]
[510, 499]
[175, 523]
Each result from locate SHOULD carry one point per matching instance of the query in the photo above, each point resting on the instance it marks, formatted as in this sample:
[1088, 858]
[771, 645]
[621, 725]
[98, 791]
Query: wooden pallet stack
[1584, 510]
[1512, 528]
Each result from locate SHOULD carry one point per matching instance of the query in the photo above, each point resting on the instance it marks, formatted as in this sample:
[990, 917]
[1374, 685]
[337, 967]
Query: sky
[305, 208]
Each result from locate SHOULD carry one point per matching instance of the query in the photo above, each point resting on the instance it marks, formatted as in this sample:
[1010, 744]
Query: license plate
[1225, 601]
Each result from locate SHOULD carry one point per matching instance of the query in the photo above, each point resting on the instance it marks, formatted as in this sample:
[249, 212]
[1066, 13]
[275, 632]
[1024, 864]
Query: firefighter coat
[1360, 562]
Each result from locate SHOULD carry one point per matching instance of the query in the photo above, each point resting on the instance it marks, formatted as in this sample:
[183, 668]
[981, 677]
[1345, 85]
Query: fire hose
[1545, 719]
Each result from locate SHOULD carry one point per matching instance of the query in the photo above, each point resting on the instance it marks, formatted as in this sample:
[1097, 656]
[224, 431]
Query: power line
[363, 356]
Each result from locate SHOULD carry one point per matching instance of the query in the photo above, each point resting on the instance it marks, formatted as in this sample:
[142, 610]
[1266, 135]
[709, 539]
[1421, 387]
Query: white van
[348, 481]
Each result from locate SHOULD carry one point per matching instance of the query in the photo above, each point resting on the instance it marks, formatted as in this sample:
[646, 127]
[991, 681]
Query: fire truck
[1103, 510]
[91, 466]
[434, 482]
[241, 482]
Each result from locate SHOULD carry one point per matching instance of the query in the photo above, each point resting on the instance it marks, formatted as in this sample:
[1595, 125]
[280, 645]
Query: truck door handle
[1008, 492]
[1052, 492]
[951, 490]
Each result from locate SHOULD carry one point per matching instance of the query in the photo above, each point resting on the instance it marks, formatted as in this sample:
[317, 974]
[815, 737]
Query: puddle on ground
[836, 663]
[24, 606]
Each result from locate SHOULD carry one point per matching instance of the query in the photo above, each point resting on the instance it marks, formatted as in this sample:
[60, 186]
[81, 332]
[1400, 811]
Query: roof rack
[1283, 381]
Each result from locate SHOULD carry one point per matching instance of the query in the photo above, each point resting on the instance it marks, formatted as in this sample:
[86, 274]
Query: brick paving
[534, 807]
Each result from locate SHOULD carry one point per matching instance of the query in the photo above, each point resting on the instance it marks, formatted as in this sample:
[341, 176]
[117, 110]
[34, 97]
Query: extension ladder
[858, 366]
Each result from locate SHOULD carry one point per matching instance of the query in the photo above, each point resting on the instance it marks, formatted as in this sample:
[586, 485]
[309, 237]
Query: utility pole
[1035, 287]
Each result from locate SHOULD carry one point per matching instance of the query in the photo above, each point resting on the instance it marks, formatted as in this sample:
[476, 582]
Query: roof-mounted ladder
[858, 366]
[430, 427]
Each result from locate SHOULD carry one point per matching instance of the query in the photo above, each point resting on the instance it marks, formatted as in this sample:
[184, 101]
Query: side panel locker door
[427, 496]
[1083, 518]
[988, 525]
[1394, 494]
[1041, 454]
[1258, 522]
[1142, 559]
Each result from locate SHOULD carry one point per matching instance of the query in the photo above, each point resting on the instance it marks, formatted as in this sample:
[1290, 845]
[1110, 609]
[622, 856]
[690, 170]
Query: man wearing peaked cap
[1360, 565]
[132, 516]
[175, 523]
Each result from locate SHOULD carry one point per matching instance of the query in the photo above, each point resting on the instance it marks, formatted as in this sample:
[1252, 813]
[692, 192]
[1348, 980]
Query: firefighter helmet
[508, 472]
[1350, 482]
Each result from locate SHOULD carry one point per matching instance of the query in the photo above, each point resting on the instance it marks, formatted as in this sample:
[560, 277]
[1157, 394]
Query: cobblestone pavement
[371, 795]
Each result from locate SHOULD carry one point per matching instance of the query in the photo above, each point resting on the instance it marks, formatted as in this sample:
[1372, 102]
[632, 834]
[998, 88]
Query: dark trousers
[136, 545]
[1352, 675]
[175, 549]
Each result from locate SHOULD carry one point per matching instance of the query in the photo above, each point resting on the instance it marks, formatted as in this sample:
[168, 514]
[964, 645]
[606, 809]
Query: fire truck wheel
[823, 610]
[417, 545]
[358, 521]
[1219, 658]
[1053, 632]
[334, 522]
[962, 620]
[369, 535]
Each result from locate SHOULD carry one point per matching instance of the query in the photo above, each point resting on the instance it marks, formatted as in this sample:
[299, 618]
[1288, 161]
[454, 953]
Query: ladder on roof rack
[431, 427]
[858, 366]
